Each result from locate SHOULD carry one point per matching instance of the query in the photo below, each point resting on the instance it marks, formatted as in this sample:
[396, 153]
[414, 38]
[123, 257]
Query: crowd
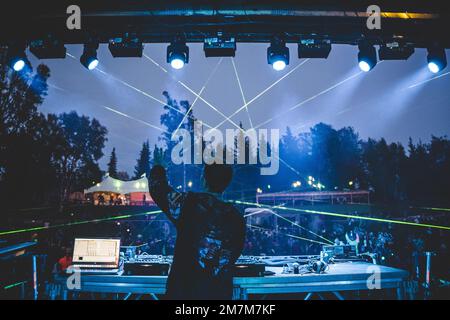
[393, 245]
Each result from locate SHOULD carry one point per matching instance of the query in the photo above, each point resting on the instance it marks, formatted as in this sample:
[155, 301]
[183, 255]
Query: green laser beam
[292, 223]
[348, 216]
[432, 209]
[14, 285]
[79, 222]
[289, 235]
[301, 227]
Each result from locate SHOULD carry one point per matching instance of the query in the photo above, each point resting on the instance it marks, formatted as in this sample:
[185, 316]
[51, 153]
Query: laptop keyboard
[108, 271]
[83, 266]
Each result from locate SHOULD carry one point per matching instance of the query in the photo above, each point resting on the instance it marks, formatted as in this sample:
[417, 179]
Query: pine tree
[158, 156]
[112, 164]
[143, 163]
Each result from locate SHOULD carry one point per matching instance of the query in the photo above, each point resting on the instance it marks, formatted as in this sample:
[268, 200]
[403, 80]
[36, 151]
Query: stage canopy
[110, 184]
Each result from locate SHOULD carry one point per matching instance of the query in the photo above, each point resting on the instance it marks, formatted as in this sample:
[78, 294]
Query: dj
[210, 235]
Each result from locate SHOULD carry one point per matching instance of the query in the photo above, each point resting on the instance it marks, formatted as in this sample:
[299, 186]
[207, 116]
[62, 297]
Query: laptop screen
[96, 251]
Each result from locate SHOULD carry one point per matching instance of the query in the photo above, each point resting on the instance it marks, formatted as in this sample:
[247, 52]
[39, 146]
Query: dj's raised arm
[165, 197]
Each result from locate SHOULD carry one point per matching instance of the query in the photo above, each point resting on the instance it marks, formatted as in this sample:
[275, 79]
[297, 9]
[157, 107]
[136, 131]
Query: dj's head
[217, 177]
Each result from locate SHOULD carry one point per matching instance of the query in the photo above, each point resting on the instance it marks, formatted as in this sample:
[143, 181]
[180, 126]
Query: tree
[143, 162]
[27, 137]
[325, 153]
[172, 119]
[84, 140]
[112, 164]
[158, 156]
[383, 164]
[349, 159]
[123, 175]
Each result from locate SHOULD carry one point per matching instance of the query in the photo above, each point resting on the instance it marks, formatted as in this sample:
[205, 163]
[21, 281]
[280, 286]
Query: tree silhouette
[112, 164]
[143, 162]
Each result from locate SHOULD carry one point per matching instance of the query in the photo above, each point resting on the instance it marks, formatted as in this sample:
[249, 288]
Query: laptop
[96, 256]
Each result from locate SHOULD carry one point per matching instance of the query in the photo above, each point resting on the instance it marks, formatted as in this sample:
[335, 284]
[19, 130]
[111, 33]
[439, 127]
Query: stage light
[126, 47]
[219, 46]
[48, 49]
[278, 54]
[395, 51]
[89, 57]
[177, 54]
[350, 183]
[314, 48]
[437, 60]
[279, 65]
[177, 63]
[17, 58]
[268, 186]
[259, 190]
[190, 184]
[19, 64]
[367, 57]
[433, 67]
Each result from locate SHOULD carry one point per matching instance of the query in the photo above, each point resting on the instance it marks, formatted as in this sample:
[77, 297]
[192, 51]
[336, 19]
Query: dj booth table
[339, 277]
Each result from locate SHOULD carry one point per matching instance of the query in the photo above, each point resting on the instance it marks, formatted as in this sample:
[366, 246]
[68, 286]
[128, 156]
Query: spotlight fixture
[17, 58]
[278, 54]
[395, 51]
[437, 60]
[178, 54]
[367, 57]
[89, 57]
[219, 46]
[126, 47]
[314, 48]
[48, 49]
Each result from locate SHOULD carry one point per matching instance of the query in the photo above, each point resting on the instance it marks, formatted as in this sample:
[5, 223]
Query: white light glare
[364, 66]
[434, 68]
[19, 65]
[177, 63]
[93, 64]
[279, 65]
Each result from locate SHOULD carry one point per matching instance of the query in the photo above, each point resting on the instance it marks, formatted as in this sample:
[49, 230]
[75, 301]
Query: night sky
[396, 100]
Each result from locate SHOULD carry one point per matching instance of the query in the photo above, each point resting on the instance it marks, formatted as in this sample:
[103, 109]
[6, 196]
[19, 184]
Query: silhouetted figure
[210, 235]
[101, 200]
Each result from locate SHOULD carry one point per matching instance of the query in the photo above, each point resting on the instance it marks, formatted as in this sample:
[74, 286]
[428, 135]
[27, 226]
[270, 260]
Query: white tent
[110, 184]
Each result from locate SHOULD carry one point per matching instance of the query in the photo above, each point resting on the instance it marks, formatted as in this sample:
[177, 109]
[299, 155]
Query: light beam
[262, 93]
[242, 92]
[3, 233]
[310, 99]
[347, 216]
[196, 98]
